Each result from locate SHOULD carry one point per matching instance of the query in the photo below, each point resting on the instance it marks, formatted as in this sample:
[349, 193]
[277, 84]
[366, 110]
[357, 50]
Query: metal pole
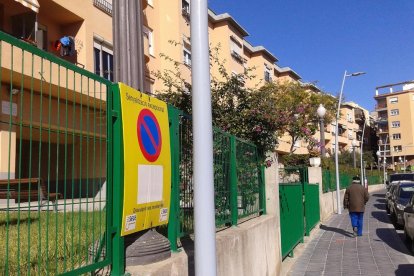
[323, 150]
[129, 63]
[353, 151]
[362, 148]
[338, 195]
[204, 209]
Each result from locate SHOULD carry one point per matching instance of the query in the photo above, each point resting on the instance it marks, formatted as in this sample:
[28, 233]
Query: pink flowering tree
[296, 107]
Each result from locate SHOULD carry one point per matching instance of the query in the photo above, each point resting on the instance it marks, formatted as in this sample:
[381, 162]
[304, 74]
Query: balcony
[104, 6]
[380, 106]
[383, 130]
[382, 120]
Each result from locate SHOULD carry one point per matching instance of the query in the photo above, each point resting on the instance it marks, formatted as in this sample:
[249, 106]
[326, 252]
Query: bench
[26, 189]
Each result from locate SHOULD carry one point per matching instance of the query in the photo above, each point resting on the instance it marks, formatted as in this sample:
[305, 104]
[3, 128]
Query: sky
[320, 39]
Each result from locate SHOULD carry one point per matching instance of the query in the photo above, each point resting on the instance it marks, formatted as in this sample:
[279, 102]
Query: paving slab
[334, 251]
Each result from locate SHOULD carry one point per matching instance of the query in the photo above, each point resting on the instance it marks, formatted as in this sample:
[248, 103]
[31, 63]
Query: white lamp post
[321, 111]
[338, 195]
[385, 161]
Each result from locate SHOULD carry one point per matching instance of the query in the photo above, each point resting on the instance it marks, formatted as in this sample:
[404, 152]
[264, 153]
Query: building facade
[394, 117]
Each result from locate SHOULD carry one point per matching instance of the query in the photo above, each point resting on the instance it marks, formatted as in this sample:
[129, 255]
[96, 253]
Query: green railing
[291, 216]
[238, 178]
[312, 211]
[329, 179]
[54, 208]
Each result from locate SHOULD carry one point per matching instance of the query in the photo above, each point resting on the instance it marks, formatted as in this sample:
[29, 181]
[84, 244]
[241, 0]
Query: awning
[31, 4]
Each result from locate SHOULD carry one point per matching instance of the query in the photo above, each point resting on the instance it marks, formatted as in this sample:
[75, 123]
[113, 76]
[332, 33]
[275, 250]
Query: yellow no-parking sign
[147, 161]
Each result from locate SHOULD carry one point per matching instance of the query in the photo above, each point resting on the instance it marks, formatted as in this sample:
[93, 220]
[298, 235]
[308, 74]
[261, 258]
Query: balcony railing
[104, 6]
[380, 106]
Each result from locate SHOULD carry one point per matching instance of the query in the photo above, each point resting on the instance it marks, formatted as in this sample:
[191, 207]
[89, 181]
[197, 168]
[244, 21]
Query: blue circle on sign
[149, 135]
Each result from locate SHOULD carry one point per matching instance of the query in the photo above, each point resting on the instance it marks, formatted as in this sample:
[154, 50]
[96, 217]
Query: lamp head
[357, 74]
[354, 143]
[378, 153]
[321, 111]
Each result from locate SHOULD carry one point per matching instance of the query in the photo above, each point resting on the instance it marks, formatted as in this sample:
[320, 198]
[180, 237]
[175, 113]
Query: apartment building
[394, 118]
[167, 39]
[53, 117]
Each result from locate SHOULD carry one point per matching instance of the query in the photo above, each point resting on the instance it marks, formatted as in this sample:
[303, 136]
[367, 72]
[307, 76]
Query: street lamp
[354, 145]
[385, 161]
[321, 111]
[338, 195]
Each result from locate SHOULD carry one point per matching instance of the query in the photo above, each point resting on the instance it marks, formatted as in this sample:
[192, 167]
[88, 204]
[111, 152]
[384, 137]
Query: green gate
[299, 206]
[312, 210]
[291, 216]
[55, 204]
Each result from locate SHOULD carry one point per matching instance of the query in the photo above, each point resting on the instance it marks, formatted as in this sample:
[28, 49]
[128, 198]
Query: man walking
[356, 196]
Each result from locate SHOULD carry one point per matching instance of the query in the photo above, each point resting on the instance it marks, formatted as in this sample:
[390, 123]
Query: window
[267, 74]
[149, 35]
[395, 124]
[186, 57]
[23, 25]
[394, 112]
[394, 100]
[397, 148]
[104, 61]
[185, 9]
[396, 136]
[236, 49]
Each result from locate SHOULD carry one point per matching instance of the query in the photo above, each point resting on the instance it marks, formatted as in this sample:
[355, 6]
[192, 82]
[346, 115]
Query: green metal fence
[54, 211]
[238, 178]
[329, 179]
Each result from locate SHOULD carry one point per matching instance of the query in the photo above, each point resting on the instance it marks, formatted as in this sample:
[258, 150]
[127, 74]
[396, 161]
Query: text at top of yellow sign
[147, 161]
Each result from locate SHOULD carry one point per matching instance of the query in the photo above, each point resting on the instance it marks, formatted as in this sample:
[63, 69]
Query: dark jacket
[356, 196]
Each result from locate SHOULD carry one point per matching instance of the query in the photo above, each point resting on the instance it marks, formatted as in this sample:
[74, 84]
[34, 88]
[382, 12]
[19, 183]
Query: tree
[296, 108]
[259, 115]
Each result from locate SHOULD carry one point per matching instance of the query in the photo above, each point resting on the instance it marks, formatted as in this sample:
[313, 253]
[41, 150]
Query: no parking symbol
[149, 135]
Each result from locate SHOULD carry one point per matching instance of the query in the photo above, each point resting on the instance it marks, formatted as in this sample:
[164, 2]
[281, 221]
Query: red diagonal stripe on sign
[154, 144]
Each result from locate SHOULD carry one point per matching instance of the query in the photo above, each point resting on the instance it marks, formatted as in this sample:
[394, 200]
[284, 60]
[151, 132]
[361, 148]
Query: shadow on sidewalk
[381, 200]
[405, 269]
[392, 239]
[336, 230]
[381, 216]
[380, 206]
[378, 195]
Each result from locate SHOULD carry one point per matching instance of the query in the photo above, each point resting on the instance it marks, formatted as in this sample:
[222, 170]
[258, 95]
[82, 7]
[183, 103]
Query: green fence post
[115, 122]
[174, 219]
[233, 181]
[262, 190]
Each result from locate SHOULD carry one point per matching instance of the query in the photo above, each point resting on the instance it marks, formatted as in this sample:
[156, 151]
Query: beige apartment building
[88, 23]
[394, 117]
[52, 120]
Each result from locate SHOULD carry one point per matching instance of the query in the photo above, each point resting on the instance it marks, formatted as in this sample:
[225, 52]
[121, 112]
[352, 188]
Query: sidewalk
[333, 250]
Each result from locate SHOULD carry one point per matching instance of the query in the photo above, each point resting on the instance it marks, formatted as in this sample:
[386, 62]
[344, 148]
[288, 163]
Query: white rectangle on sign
[150, 183]
[5, 108]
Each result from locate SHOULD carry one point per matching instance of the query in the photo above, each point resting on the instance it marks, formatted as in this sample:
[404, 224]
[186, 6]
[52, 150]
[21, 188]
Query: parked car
[397, 177]
[400, 197]
[409, 222]
[388, 195]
